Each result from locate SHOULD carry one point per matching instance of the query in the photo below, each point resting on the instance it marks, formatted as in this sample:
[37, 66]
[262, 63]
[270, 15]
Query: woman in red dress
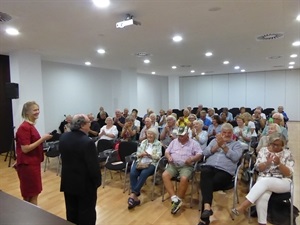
[30, 153]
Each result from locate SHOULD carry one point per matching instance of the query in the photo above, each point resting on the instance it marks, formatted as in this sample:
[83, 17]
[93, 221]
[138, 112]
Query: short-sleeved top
[180, 153]
[26, 135]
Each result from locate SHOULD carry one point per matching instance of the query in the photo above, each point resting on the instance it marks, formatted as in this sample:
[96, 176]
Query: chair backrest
[127, 148]
[104, 144]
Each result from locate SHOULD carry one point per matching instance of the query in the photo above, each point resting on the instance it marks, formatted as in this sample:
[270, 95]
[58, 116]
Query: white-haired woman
[199, 135]
[264, 140]
[109, 131]
[148, 152]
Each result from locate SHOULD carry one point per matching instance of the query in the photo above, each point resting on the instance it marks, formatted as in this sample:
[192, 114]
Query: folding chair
[52, 151]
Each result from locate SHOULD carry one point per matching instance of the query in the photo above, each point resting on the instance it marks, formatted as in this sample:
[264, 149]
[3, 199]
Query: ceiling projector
[127, 22]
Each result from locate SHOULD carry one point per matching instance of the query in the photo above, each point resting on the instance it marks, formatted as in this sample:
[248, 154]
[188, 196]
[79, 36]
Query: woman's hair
[217, 118]
[200, 122]
[78, 121]
[26, 108]
[129, 118]
[240, 117]
[277, 127]
[108, 118]
[277, 136]
[154, 131]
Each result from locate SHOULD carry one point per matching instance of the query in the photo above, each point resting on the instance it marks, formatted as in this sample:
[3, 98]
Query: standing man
[81, 175]
[182, 153]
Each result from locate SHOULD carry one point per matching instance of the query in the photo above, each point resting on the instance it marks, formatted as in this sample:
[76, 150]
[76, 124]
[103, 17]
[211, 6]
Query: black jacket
[80, 168]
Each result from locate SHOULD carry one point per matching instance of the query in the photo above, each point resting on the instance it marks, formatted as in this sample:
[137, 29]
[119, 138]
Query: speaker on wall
[12, 90]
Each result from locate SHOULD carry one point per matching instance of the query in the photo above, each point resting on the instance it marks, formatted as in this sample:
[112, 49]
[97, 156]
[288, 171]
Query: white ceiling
[71, 31]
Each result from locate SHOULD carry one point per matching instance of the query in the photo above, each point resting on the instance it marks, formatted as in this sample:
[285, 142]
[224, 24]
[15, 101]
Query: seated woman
[148, 152]
[129, 130]
[242, 133]
[109, 131]
[275, 166]
[264, 140]
[198, 134]
[222, 156]
[249, 123]
[215, 127]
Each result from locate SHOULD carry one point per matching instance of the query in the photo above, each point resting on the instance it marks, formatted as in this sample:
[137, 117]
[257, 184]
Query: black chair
[178, 112]
[121, 160]
[234, 111]
[52, 151]
[104, 148]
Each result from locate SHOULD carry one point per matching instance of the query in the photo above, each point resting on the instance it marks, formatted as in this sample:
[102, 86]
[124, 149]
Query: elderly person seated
[210, 113]
[129, 130]
[109, 131]
[206, 121]
[198, 134]
[222, 156]
[181, 154]
[228, 117]
[119, 121]
[242, 132]
[264, 140]
[184, 120]
[249, 123]
[94, 126]
[169, 133]
[215, 127]
[275, 166]
[148, 153]
[278, 119]
[285, 116]
[153, 120]
[259, 120]
[148, 125]
[67, 121]
[192, 118]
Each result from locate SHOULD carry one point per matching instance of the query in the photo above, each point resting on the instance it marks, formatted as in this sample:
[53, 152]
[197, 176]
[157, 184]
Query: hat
[182, 130]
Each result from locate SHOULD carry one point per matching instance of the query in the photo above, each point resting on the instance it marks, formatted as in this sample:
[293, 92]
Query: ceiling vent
[142, 54]
[4, 17]
[185, 66]
[274, 57]
[271, 36]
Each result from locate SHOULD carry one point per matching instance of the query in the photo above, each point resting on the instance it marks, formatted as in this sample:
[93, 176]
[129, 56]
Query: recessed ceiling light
[296, 43]
[291, 63]
[236, 67]
[226, 62]
[294, 56]
[101, 51]
[101, 3]
[291, 67]
[174, 67]
[87, 63]
[153, 73]
[202, 73]
[177, 38]
[192, 71]
[208, 54]
[298, 17]
[243, 71]
[12, 31]
[147, 61]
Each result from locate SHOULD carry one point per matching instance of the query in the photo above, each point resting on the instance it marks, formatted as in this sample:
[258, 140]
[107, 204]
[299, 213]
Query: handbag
[141, 166]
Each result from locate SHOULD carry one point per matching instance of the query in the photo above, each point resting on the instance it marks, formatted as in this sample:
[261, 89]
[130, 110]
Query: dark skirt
[30, 180]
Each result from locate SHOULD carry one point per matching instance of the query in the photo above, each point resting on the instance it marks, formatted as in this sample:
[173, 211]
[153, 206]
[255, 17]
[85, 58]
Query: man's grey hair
[227, 126]
[77, 122]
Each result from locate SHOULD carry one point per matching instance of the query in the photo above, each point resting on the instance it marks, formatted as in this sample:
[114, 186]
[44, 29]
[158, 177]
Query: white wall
[71, 89]
[266, 89]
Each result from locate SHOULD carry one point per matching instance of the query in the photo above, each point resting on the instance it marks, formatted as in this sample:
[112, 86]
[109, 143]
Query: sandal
[132, 203]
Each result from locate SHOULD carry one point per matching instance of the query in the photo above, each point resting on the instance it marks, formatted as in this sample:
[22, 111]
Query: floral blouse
[155, 153]
[285, 156]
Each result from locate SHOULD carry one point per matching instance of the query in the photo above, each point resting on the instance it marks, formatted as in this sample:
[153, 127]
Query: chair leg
[45, 164]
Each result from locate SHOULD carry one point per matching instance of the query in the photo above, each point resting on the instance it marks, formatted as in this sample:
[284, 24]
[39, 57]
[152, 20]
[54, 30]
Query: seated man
[66, 121]
[222, 156]
[182, 153]
[94, 126]
[206, 121]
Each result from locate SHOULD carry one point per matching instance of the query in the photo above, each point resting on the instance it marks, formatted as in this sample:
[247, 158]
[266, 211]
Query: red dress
[29, 164]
